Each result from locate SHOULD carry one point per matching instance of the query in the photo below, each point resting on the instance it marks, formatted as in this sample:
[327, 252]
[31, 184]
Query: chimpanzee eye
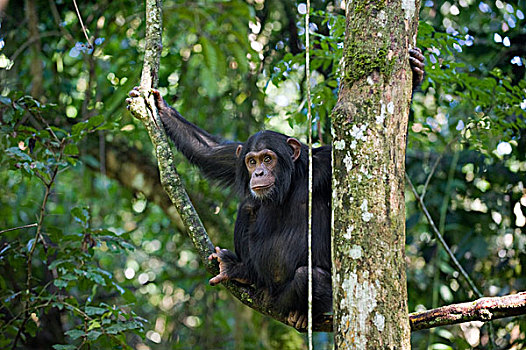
[267, 159]
[252, 161]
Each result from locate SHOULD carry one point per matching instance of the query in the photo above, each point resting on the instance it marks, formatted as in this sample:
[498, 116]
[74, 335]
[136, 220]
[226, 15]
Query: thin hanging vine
[309, 217]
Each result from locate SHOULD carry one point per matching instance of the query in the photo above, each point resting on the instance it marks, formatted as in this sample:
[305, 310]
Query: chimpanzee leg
[293, 298]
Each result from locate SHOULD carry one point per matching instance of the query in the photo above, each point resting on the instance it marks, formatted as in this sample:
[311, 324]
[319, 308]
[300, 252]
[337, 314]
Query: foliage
[111, 264]
[70, 280]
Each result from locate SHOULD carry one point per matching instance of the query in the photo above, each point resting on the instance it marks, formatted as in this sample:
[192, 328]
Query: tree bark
[369, 139]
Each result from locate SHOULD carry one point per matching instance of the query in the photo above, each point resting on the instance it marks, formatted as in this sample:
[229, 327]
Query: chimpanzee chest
[276, 250]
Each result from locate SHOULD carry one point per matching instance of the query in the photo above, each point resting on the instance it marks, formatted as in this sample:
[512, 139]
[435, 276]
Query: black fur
[270, 234]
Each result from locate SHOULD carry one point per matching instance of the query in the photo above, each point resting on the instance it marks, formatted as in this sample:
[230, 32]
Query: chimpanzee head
[267, 164]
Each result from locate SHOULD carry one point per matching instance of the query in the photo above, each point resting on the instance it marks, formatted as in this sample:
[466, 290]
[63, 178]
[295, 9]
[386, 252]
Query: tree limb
[483, 309]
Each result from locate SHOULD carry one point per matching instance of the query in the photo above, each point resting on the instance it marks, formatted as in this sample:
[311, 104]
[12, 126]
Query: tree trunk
[369, 139]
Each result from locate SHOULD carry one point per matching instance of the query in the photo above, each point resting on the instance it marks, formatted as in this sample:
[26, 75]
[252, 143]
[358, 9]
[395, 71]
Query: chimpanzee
[269, 172]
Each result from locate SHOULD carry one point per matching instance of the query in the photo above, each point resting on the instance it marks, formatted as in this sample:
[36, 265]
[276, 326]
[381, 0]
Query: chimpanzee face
[266, 176]
[261, 167]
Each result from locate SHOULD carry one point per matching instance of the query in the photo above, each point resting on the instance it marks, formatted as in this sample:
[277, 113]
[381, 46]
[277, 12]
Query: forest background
[99, 257]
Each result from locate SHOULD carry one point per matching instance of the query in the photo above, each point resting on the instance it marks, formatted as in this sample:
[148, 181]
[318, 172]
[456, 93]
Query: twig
[58, 20]
[34, 307]
[30, 41]
[441, 239]
[89, 318]
[82, 24]
[430, 175]
[18, 228]
[38, 235]
[433, 169]
[48, 127]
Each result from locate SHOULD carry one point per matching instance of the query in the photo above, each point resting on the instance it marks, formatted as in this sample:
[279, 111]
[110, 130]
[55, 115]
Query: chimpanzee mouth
[262, 191]
[262, 187]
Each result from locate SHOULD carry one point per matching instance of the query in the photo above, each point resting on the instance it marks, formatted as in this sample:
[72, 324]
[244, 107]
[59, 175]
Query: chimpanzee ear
[296, 147]
[238, 150]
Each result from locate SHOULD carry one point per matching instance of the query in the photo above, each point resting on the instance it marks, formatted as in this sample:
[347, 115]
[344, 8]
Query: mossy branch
[143, 108]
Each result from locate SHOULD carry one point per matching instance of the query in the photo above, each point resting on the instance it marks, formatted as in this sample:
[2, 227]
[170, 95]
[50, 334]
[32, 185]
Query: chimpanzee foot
[297, 319]
[222, 276]
[134, 104]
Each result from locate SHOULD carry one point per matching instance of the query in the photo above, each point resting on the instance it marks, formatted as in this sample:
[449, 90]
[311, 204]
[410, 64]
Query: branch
[18, 228]
[144, 109]
[483, 309]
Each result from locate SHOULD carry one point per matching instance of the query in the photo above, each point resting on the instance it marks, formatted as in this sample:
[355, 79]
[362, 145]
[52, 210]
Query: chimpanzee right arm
[214, 156]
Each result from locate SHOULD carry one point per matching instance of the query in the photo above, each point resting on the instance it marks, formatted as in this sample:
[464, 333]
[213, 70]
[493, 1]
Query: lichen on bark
[369, 134]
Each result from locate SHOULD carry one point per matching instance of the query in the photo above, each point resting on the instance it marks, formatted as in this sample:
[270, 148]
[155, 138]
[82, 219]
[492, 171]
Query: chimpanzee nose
[258, 172]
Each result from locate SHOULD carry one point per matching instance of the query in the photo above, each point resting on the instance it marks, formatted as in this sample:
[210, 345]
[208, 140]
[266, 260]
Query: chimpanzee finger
[217, 279]
[213, 256]
[134, 92]
[302, 322]
[415, 50]
[415, 63]
[292, 318]
[417, 53]
[417, 70]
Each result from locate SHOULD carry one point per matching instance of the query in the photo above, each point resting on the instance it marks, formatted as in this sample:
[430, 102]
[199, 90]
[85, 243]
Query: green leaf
[75, 333]
[77, 128]
[64, 347]
[60, 283]
[71, 149]
[95, 277]
[17, 152]
[439, 346]
[81, 215]
[59, 262]
[95, 121]
[123, 326]
[92, 310]
[93, 335]
[210, 54]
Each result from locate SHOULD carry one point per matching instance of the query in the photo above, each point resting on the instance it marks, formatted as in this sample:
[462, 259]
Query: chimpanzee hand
[133, 93]
[222, 276]
[159, 101]
[416, 61]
